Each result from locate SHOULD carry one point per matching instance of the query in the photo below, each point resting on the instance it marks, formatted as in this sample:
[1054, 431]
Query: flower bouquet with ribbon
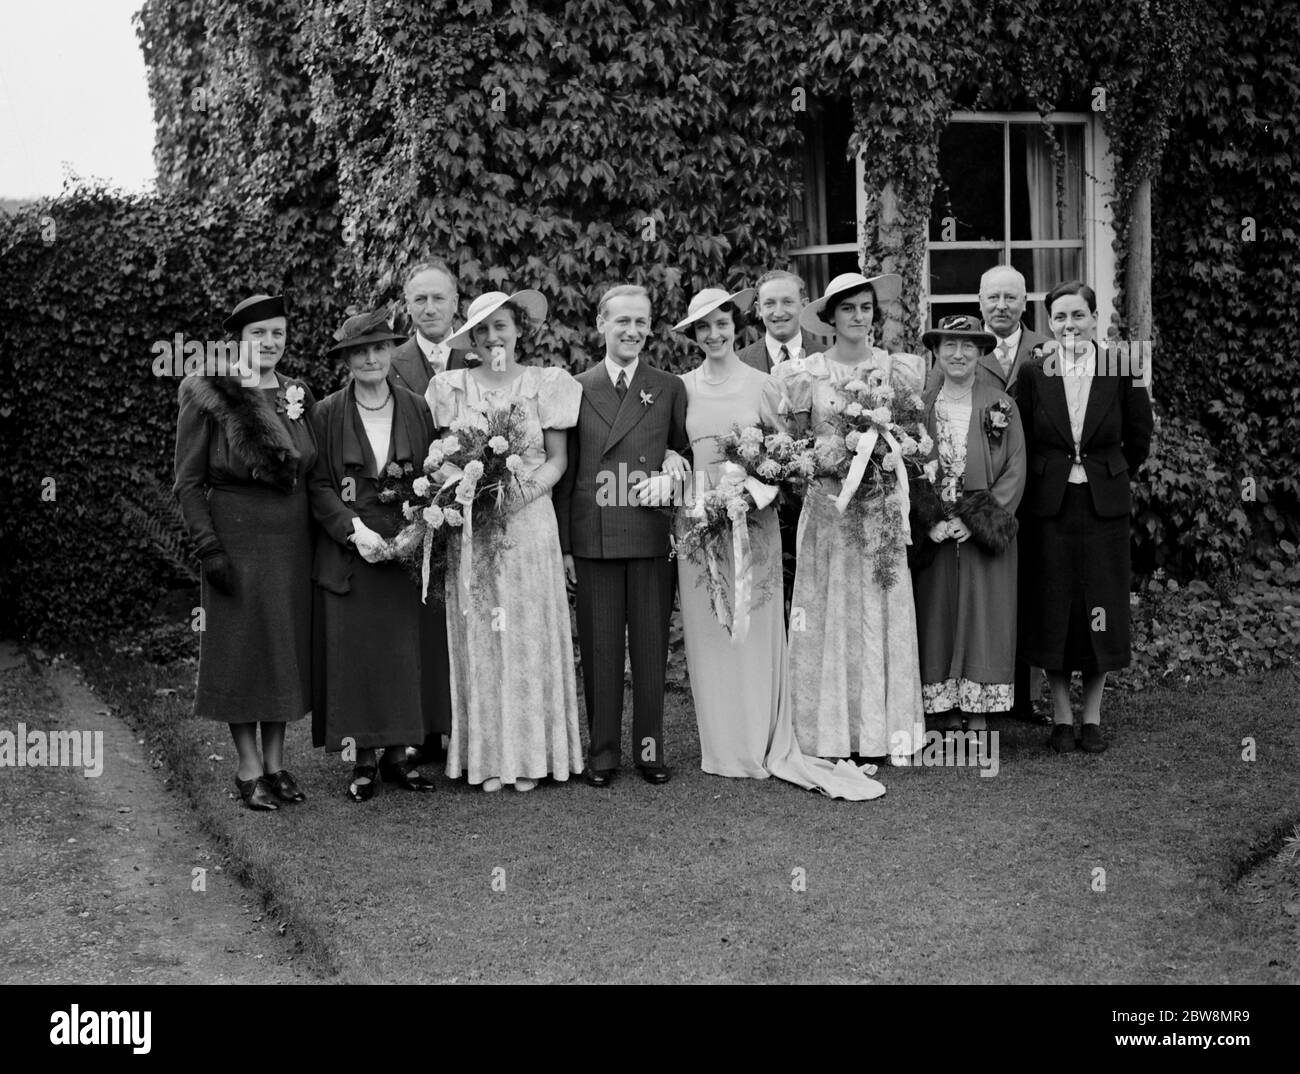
[875, 443]
[468, 477]
[760, 464]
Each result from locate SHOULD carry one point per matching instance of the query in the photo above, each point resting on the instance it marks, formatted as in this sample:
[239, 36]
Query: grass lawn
[949, 877]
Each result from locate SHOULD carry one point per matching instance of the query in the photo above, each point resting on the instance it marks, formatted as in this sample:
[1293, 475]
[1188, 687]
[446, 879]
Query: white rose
[420, 486]
[452, 517]
[433, 516]
[499, 444]
[514, 463]
[881, 415]
[853, 410]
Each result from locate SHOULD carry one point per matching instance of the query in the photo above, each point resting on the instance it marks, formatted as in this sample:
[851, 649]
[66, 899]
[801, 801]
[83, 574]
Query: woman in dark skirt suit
[381, 655]
[244, 447]
[1087, 430]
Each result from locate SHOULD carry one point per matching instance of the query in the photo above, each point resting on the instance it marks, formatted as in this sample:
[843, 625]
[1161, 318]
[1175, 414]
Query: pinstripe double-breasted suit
[624, 576]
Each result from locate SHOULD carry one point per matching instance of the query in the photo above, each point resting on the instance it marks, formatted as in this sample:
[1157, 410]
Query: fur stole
[255, 434]
[991, 525]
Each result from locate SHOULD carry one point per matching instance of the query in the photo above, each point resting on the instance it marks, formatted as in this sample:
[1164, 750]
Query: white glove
[371, 547]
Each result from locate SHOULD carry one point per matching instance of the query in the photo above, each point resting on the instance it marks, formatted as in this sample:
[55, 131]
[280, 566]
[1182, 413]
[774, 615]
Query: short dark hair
[1072, 287]
[523, 324]
[433, 263]
[852, 293]
[726, 307]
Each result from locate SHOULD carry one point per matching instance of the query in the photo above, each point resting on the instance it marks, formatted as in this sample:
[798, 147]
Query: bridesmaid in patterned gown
[854, 667]
[514, 694]
[741, 686]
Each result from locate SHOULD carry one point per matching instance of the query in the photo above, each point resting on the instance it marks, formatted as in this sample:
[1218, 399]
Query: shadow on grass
[1112, 868]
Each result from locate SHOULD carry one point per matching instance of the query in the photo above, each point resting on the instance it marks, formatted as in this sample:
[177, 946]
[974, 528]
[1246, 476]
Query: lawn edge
[113, 678]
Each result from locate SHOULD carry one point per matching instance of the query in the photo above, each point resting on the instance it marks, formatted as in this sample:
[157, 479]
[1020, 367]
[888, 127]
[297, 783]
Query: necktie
[784, 356]
[620, 385]
[1004, 357]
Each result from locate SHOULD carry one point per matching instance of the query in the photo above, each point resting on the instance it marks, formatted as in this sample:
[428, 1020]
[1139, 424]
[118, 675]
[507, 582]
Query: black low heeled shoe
[256, 793]
[283, 786]
[405, 776]
[362, 792]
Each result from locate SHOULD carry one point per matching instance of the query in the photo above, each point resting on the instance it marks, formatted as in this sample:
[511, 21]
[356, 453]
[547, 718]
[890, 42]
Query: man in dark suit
[632, 423]
[781, 297]
[431, 299]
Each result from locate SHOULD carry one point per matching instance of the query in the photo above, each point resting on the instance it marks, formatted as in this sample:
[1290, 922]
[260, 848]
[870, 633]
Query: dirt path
[96, 874]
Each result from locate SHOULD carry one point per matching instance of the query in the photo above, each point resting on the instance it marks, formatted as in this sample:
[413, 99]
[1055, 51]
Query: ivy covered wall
[318, 147]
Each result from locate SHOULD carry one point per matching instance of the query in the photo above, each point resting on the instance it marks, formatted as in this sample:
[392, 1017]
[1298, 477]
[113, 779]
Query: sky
[72, 89]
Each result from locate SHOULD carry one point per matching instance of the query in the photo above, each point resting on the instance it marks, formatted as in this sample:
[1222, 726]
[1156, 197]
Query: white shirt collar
[1012, 341]
[437, 353]
[1079, 364]
[774, 345]
[614, 369]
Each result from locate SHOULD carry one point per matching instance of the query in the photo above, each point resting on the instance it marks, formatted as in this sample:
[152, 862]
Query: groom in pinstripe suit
[632, 423]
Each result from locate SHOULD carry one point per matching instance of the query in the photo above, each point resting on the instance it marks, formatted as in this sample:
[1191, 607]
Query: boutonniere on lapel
[997, 419]
[290, 402]
[647, 399]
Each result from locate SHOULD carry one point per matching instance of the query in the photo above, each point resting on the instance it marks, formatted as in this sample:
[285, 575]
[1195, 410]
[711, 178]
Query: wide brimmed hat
[709, 300]
[376, 326]
[887, 286]
[960, 326]
[254, 308]
[531, 302]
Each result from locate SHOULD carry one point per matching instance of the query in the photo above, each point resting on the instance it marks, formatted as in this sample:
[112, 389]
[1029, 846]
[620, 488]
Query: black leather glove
[219, 572]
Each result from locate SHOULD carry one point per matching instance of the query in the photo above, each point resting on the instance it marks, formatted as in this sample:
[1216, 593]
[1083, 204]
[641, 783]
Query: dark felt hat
[374, 326]
[960, 326]
[254, 308]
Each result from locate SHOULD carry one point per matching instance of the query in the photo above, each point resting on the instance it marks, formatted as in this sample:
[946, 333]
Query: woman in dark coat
[382, 678]
[244, 446]
[966, 591]
[1087, 430]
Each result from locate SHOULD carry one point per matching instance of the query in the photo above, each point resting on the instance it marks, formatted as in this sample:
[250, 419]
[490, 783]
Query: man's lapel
[1054, 401]
[990, 362]
[601, 394]
[631, 411]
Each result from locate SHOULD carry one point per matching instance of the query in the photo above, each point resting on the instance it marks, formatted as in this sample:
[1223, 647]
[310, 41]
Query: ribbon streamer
[858, 469]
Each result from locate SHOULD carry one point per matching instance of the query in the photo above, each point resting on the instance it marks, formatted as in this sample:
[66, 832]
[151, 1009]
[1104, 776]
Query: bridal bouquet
[467, 480]
[874, 444]
[761, 464]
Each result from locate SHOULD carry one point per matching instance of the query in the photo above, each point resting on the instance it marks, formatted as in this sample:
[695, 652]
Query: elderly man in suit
[632, 422]
[781, 298]
[1002, 304]
[431, 298]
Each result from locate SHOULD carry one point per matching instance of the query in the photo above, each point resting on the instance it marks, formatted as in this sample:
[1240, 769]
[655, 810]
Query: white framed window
[1005, 197]
[1001, 199]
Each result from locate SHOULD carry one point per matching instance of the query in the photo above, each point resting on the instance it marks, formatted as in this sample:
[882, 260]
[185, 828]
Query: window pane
[818, 270]
[970, 183]
[841, 175]
[941, 309]
[954, 272]
[1046, 194]
[1043, 270]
